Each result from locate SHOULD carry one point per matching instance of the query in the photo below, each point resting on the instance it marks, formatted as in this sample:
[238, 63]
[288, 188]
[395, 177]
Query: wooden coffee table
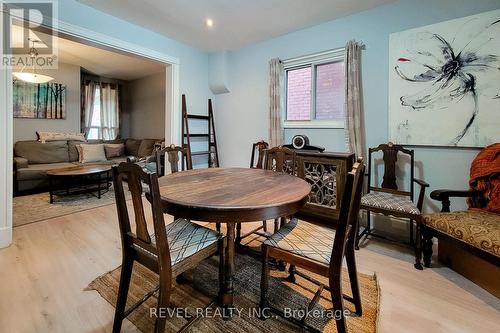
[94, 179]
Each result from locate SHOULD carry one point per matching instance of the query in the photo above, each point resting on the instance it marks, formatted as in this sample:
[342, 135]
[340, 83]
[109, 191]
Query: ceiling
[99, 61]
[236, 22]
[106, 63]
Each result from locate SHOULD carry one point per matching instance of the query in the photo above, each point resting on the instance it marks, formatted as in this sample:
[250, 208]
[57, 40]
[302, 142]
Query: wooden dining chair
[172, 154]
[321, 250]
[169, 251]
[258, 152]
[279, 159]
[390, 200]
[256, 162]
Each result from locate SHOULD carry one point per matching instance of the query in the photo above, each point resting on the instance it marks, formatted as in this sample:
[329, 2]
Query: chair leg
[264, 226]
[264, 280]
[418, 245]
[282, 221]
[338, 303]
[281, 265]
[163, 300]
[126, 274]
[356, 241]
[220, 246]
[217, 227]
[427, 246]
[368, 221]
[291, 273]
[238, 234]
[353, 278]
[412, 243]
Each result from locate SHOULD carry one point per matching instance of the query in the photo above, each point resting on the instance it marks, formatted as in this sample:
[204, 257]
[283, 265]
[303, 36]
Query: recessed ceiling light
[209, 22]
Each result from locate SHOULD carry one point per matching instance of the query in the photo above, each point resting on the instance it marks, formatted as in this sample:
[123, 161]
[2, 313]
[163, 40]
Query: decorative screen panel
[323, 180]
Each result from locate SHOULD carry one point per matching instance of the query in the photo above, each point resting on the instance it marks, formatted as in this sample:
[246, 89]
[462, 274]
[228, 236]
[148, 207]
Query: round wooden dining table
[230, 196]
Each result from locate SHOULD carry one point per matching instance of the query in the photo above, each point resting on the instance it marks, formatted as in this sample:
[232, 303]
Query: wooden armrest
[421, 182]
[421, 195]
[445, 195]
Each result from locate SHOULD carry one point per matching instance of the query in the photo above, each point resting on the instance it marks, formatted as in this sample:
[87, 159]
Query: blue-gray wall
[242, 115]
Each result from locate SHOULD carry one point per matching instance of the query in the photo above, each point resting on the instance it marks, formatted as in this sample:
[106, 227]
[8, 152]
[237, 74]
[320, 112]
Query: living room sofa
[32, 159]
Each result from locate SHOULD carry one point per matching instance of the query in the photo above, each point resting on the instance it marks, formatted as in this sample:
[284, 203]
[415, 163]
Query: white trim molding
[6, 112]
[6, 167]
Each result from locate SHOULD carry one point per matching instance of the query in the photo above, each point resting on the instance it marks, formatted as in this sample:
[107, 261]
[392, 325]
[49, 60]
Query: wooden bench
[469, 241]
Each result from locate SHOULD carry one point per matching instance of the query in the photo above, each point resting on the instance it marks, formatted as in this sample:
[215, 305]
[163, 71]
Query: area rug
[36, 207]
[202, 285]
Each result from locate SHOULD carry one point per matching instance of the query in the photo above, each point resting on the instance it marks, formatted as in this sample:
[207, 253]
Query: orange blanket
[485, 176]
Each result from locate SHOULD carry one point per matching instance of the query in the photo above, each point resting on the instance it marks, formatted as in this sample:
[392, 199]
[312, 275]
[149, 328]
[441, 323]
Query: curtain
[89, 90]
[354, 124]
[275, 84]
[110, 112]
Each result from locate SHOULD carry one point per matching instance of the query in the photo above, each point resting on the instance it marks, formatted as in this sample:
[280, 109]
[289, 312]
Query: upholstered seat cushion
[39, 171]
[389, 201]
[304, 239]
[476, 227]
[186, 238]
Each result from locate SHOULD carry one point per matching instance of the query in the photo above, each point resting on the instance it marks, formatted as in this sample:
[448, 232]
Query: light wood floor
[44, 273]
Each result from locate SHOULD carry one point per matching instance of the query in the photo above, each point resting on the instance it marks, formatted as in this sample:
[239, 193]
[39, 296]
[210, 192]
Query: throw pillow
[91, 153]
[57, 136]
[132, 147]
[114, 150]
[146, 147]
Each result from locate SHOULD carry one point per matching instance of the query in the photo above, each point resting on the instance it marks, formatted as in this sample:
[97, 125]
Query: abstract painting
[39, 101]
[444, 83]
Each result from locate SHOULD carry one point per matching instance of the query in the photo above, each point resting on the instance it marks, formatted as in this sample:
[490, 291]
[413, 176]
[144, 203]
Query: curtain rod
[339, 49]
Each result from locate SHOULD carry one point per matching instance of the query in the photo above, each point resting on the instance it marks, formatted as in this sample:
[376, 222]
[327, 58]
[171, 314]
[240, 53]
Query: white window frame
[312, 60]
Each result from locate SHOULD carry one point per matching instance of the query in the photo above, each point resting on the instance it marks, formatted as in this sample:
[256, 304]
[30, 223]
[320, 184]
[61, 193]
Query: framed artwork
[39, 101]
[444, 83]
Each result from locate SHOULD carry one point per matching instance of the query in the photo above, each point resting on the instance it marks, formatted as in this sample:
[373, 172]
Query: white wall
[143, 115]
[242, 116]
[68, 75]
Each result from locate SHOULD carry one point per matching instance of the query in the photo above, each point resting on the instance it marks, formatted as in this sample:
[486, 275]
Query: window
[315, 91]
[102, 120]
[96, 116]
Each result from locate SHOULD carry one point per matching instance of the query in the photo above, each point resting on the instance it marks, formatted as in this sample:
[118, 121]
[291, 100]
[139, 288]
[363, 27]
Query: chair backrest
[139, 241]
[281, 159]
[349, 211]
[258, 148]
[390, 153]
[172, 154]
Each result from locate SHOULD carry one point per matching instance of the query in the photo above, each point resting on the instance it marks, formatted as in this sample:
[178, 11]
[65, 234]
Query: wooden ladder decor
[212, 154]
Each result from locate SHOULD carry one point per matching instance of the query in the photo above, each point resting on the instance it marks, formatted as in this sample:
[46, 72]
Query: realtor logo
[29, 34]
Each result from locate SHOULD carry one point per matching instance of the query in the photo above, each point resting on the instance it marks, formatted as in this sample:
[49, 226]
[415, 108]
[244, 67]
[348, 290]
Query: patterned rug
[247, 290]
[36, 207]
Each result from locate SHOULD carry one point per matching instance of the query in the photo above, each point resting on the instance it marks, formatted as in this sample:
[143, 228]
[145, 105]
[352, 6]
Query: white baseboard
[5, 237]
